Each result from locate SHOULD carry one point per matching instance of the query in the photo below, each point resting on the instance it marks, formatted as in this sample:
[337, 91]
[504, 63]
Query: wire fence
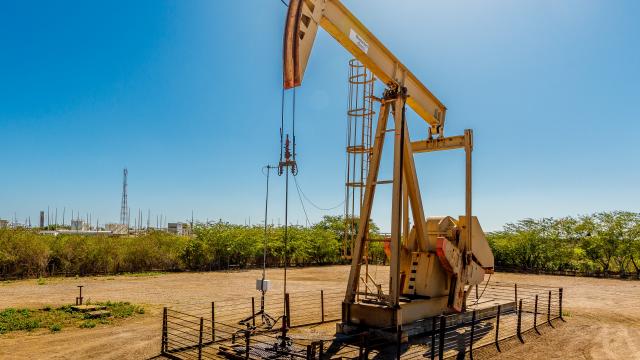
[610, 274]
[249, 329]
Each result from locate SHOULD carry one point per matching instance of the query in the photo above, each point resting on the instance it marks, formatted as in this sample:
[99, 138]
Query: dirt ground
[603, 319]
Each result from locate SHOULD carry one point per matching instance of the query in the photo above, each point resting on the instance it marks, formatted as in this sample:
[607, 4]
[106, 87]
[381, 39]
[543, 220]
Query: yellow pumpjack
[436, 262]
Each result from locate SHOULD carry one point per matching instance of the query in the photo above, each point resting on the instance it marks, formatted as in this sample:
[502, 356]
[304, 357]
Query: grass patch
[41, 281]
[55, 319]
[88, 324]
[18, 319]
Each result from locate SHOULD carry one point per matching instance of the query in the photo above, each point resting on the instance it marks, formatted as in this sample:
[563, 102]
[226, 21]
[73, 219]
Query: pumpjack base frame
[381, 319]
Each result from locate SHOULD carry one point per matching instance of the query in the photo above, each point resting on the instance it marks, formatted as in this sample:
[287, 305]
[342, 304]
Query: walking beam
[303, 19]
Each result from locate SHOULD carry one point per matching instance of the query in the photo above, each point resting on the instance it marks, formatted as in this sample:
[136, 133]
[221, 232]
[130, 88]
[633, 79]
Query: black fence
[239, 329]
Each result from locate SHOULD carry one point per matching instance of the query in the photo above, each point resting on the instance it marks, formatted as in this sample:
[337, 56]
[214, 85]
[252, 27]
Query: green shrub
[88, 324]
[55, 327]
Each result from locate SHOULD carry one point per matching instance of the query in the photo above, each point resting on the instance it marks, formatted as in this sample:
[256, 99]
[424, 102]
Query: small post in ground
[309, 352]
[164, 344]
[549, 310]
[287, 310]
[535, 316]
[321, 306]
[498, 328]
[213, 321]
[284, 329]
[473, 323]
[443, 325]
[398, 342]
[560, 303]
[79, 298]
[247, 343]
[519, 327]
[200, 339]
[253, 311]
[515, 288]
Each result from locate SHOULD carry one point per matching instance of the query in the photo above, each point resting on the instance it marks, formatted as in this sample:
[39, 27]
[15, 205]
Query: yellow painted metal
[434, 263]
[303, 19]
[443, 143]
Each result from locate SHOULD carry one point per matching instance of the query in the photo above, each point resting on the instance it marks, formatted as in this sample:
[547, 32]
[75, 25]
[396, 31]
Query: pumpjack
[435, 262]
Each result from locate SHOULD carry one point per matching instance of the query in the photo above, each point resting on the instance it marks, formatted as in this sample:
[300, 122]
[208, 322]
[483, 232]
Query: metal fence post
[247, 343]
[253, 311]
[287, 309]
[519, 327]
[515, 287]
[473, 323]
[560, 303]
[309, 352]
[498, 328]
[398, 342]
[433, 338]
[213, 321]
[535, 316]
[549, 310]
[321, 306]
[443, 325]
[165, 339]
[200, 339]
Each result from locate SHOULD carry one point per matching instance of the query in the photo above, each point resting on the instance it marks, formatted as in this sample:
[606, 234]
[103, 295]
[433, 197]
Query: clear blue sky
[186, 94]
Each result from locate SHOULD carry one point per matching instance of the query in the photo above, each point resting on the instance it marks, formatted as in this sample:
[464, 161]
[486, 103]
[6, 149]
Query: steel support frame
[405, 195]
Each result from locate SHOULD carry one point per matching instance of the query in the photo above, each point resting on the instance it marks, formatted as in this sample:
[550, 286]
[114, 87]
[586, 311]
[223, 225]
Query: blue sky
[186, 94]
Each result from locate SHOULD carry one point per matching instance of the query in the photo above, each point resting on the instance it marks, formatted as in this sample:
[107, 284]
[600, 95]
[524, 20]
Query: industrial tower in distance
[124, 207]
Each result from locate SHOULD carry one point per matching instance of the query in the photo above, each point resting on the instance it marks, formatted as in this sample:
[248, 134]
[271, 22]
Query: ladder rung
[358, 149]
[355, 184]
